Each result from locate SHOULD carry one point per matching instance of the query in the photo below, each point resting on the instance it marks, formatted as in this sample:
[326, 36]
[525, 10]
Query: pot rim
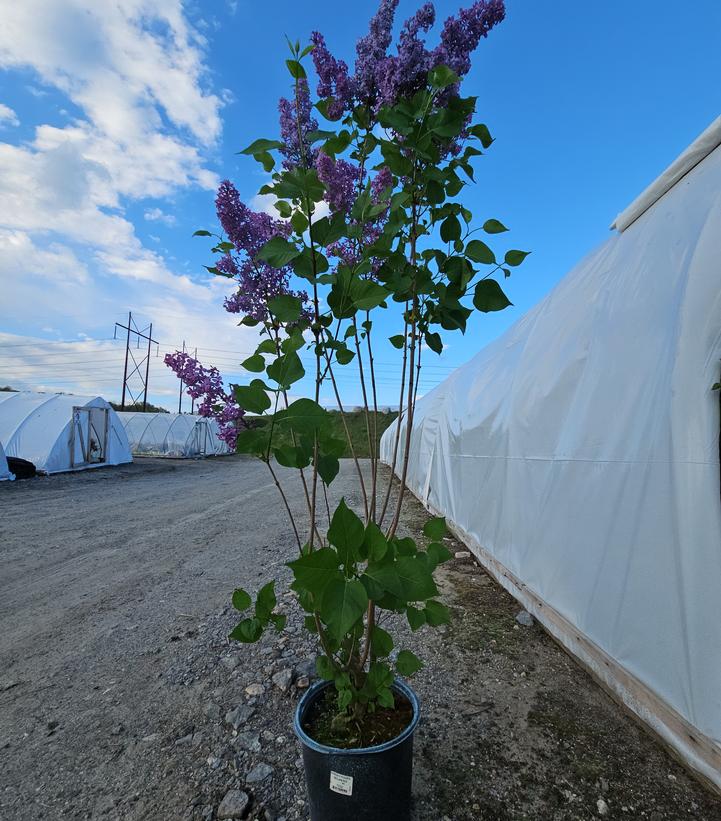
[316, 688]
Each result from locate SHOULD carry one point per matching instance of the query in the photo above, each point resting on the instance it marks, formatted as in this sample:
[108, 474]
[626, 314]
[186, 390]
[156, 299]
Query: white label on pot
[342, 784]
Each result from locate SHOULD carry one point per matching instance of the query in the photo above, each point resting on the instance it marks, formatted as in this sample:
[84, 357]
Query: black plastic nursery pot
[367, 784]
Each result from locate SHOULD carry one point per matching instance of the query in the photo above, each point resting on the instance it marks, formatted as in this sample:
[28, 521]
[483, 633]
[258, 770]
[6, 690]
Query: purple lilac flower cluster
[382, 79]
[342, 181]
[333, 78]
[295, 124]
[207, 384]
[249, 231]
[371, 50]
[461, 35]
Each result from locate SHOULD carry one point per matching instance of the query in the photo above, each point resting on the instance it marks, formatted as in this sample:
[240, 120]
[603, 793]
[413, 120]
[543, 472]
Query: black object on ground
[21, 468]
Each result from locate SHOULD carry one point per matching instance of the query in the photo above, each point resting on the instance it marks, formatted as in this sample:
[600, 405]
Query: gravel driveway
[120, 697]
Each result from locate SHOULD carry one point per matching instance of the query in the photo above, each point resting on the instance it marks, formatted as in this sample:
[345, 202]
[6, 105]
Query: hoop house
[578, 456]
[179, 435]
[61, 432]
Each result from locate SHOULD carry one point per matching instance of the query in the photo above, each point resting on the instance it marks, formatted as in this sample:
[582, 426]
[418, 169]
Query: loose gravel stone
[233, 805]
[525, 618]
[255, 690]
[237, 717]
[259, 773]
[306, 668]
[186, 739]
[283, 679]
[247, 741]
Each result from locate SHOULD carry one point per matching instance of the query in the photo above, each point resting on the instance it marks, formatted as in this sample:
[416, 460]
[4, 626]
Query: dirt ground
[120, 697]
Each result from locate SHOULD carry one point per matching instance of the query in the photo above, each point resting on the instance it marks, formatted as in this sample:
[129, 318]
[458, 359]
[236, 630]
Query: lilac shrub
[369, 218]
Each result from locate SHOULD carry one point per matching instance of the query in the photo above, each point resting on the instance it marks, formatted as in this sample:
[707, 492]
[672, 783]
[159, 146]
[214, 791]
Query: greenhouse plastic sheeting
[172, 434]
[60, 432]
[4, 469]
[580, 451]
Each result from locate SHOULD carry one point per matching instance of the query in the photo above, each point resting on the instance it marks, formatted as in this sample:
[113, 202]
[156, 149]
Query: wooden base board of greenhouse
[684, 742]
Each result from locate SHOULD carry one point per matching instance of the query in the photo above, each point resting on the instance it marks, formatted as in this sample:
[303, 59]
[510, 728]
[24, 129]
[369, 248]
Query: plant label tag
[342, 784]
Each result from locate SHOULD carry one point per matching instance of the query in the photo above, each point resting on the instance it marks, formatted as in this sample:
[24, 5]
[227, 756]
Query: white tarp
[60, 432]
[4, 469]
[172, 434]
[580, 452]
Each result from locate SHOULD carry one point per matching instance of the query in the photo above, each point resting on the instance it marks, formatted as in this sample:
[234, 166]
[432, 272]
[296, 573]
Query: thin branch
[374, 449]
[327, 506]
[348, 437]
[361, 373]
[411, 393]
[370, 623]
[399, 419]
[285, 502]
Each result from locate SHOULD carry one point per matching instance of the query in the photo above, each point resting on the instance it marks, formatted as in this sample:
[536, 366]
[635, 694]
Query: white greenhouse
[61, 432]
[578, 457]
[5, 472]
[180, 435]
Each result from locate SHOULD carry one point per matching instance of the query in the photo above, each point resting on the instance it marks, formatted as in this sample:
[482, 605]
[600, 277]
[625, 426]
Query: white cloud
[157, 215]
[265, 203]
[8, 116]
[135, 69]
[68, 253]
[46, 279]
[121, 61]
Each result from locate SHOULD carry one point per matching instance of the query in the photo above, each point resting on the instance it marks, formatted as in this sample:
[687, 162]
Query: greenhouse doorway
[89, 436]
[204, 434]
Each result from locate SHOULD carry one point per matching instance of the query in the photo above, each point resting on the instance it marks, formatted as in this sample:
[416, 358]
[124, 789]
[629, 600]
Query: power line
[42, 342]
[58, 358]
[172, 348]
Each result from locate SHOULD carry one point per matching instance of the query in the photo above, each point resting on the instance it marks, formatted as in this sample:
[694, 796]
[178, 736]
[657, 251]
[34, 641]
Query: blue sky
[117, 122]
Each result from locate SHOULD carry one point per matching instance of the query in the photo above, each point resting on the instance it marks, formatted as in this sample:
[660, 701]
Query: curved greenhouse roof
[60, 432]
[180, 435]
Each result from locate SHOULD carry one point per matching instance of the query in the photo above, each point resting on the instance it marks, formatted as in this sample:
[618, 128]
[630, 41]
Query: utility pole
[182, 385]
[192, 398]
[180, 392]
[138, 334]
